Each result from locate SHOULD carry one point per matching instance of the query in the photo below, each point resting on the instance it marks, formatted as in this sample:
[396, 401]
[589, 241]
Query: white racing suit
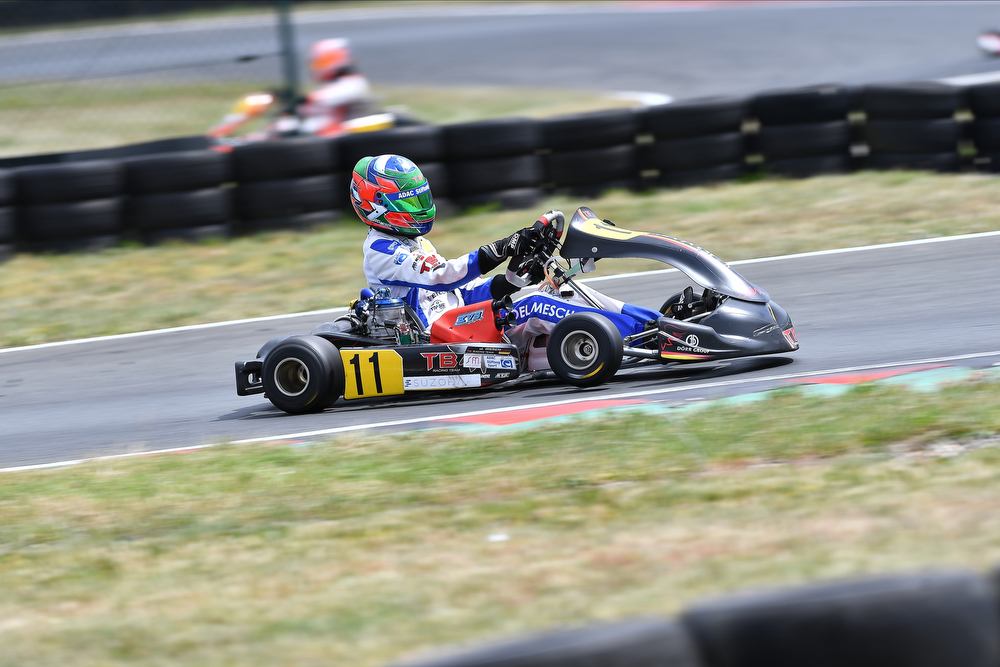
[430, 284]
[426, 281]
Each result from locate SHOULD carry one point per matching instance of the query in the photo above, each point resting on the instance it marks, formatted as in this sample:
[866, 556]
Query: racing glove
[493, 254]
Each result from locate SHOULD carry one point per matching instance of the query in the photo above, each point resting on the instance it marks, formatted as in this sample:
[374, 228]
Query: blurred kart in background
[381, 348]
[989, 42]
[343, 103]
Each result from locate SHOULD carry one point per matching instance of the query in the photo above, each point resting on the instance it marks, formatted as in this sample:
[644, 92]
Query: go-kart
[381, 348]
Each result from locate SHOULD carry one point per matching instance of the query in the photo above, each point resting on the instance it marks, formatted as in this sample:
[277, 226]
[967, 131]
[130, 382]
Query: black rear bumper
[248, 377]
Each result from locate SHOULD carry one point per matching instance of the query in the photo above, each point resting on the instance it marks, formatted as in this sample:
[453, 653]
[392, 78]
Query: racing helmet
[390, 194]
[329, 58]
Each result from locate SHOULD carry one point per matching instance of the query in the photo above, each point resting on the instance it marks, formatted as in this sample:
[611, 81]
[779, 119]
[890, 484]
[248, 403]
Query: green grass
[49, 297]
[355, 551]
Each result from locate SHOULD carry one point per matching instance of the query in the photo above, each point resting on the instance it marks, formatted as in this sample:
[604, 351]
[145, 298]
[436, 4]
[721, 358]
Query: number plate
[371, 373]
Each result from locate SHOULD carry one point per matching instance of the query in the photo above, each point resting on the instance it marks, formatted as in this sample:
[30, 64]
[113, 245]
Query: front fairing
[588, 236]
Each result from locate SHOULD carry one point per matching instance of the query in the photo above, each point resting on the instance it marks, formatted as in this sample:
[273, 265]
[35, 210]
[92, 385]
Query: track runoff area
[530, 410]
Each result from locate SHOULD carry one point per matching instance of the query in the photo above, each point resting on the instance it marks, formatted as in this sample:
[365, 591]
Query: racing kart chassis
[380, 348]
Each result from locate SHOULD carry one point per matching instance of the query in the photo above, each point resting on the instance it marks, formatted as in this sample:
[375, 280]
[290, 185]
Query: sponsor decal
[692, 340]
[441, 382]
[431, 263]
[501, 376]
[543, 309]
[765, 330]
[399, 258]
[440, 359]
[499, 361]
[789, 335]
[438, 305]
[469, 318]
[472, 361]
[699, 350]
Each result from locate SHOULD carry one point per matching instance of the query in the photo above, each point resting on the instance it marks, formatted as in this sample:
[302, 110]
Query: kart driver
[393, 198]
[343, 94]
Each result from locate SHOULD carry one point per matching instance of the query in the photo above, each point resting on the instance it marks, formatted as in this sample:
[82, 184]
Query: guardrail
[944, 617]
[99, 197]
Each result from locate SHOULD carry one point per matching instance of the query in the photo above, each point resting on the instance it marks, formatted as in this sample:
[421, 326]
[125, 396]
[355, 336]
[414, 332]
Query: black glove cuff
[488, 259]
[499, 287]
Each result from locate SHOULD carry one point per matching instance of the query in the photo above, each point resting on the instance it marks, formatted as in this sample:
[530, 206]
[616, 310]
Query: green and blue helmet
[390, 194]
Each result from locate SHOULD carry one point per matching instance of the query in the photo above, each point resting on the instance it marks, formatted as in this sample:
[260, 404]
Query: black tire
[641, 642]
[491, 138]
[6, 187]
[694, 118]
[175, 210]
[984, 100]
[912, 136]
[986, 135]
[793, 106]
[419, 143]
[696, 153]
[919, 620]
[294, 196]
[717, 174]
[73, 182]
[910, 101]
[177, 172]
[7, 227]
[589, 130]
[584, 349]
[940, 162]
[436, 174]
[804, 167]
[303, 374]
[477, 176]
[68, 222]
[283, 159]
[600, 165]
[805, 140]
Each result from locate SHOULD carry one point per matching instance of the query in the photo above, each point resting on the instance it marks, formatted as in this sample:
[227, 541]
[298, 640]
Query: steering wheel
[546, 234]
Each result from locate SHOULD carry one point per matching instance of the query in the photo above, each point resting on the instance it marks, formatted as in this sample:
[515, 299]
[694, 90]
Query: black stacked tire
[984, 103]
[7, 214]
[493, 162]
[178, 195]
[590, 152]
[803, 131]
[68, 206]
[912, 126]
[694, 142]
[288, 184]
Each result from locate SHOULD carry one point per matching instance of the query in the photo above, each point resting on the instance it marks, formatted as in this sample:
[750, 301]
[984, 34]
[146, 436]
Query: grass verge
[355, 551]
[49, 297]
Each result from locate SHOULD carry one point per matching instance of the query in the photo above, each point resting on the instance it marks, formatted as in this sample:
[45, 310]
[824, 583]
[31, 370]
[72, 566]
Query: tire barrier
[803, 131]
[590, 152]
[694, 142]
[69, 205]
[912, 126]
[287, 184]
[178, 195]
[945, 617]
[984, 103]
[65, 201]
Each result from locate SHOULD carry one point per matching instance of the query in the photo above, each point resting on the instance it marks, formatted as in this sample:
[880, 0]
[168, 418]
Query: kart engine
[388, 319]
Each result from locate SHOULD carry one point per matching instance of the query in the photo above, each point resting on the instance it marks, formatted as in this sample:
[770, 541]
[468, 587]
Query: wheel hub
[291, 377]
[579, 350]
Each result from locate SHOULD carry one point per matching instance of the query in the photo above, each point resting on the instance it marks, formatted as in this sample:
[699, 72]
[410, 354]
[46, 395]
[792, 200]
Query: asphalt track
[680, 49]
[882, 307]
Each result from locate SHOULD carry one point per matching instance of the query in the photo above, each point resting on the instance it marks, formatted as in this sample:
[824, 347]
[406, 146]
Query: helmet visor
[414, 200]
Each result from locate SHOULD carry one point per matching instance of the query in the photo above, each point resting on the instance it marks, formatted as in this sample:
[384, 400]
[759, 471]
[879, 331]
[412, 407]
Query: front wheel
[585, 349]
[303, 374]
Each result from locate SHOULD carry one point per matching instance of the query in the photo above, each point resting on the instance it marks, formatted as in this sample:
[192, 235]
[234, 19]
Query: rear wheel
[303, 374]
[585, 349]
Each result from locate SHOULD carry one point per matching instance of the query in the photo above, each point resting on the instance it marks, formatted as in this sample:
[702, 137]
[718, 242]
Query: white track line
[476, 413]
[271, 318]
